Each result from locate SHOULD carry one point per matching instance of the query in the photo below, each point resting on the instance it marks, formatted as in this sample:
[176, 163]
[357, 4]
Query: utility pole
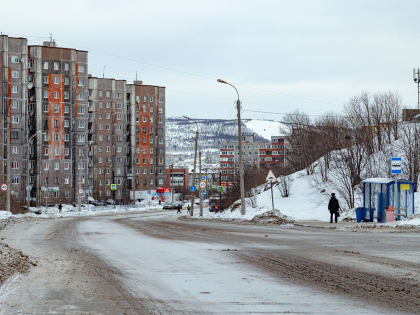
[195, 164]
[241, 165]
[170, 183]
[416, 78]
[201, 190]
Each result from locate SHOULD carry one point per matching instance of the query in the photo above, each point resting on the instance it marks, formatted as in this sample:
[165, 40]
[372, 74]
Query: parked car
[175, 206]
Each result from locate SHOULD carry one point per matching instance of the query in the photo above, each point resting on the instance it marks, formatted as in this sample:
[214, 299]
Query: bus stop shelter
[385, 194]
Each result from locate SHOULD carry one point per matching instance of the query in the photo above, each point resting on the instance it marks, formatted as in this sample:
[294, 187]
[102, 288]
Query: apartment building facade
[13, 131]
[261, 154]
[108, 141]
[147, 138]
[58, 103]
[66, 136]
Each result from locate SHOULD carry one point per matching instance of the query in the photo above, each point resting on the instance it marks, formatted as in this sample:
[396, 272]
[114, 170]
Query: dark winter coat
[333, 205]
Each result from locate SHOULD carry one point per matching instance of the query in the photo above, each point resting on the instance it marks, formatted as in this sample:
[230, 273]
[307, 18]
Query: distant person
[333, 206]
[179, 209]
[188, 208]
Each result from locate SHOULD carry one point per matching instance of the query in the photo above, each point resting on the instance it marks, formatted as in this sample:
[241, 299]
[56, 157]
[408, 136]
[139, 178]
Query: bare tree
[410, 148]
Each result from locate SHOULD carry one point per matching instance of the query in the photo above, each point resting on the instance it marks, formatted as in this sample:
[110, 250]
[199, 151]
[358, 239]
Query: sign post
[396, 163]
[272, 179]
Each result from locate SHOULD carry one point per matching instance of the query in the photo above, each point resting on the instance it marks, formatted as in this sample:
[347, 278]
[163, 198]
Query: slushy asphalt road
[154, 263]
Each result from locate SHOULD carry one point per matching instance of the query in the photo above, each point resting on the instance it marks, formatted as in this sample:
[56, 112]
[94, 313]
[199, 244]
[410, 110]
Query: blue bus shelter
[380, 193]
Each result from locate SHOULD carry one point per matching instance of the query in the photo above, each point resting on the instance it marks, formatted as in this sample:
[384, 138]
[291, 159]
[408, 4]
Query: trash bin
[389, 214]
[360, 214]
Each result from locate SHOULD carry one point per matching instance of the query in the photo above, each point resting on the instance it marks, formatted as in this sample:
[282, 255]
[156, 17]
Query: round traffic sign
[203, 185]
[4, 187]
[81, 191]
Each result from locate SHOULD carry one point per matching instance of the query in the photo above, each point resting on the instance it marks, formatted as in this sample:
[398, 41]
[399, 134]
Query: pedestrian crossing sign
[113, 186]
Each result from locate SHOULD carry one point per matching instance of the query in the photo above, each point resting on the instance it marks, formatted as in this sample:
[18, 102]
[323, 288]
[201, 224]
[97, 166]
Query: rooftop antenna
[103, 72]
[136, 75]
[51, 39]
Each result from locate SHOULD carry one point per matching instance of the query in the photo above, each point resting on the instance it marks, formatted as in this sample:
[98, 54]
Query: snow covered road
[152, 263]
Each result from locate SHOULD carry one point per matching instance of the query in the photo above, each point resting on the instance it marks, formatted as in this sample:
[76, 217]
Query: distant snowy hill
[180, 135]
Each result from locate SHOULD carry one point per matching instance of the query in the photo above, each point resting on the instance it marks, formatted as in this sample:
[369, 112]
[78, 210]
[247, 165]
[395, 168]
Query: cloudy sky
[281, 55]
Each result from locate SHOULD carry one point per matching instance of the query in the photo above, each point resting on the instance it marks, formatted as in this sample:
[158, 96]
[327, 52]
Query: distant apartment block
[266, 154]
[67, 136]
[147, 138]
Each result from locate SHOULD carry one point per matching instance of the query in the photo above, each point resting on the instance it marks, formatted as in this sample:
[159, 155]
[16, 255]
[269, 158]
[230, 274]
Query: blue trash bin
[360, 214]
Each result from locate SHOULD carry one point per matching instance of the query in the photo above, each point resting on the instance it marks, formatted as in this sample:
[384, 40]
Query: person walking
[188, 208]
[333, 206]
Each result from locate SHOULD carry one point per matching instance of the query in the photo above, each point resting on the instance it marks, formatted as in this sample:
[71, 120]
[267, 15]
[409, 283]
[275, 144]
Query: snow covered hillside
[180, 137]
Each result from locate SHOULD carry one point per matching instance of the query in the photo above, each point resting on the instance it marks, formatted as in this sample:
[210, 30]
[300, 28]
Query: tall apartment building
[109, 139]
[257, 154]
[58, 103]
[147, 138]
[13, 133]
[66, 136]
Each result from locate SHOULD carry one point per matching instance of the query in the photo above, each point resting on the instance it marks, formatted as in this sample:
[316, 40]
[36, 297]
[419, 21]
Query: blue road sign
[203, 178]
[396, 165]
[193, 188]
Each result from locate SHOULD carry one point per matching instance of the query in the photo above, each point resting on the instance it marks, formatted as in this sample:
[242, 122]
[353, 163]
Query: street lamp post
[195, 163]
[241, 166]
[416, 78]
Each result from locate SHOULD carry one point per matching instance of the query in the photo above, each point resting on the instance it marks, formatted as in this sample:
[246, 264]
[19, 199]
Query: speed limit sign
[3, 187]
[203, 185]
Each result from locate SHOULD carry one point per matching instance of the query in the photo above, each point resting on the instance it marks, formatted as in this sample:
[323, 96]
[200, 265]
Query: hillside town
[182, 160]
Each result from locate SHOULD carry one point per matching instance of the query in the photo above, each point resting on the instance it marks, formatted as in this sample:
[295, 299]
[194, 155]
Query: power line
[181, 71]
[293, 114]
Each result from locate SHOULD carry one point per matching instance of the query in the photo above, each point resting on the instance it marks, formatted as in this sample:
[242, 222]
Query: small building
[380, 193]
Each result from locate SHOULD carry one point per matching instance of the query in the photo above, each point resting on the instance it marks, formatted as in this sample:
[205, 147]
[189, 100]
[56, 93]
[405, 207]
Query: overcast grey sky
[282, 55]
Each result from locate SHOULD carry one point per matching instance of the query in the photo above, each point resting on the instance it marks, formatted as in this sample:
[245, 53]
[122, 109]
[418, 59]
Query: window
[81, 152]
[66, 66]
[56, 95]
[108, 93]
[15, 119]
[46, 137]
[15, 74]
[56, 66]
[57, 166]
[56, 138]
[100, 105]
[56, 123]
[82, 124]
[14, 59]
[81, 68]
[45, 65]
[56, 109]
[108, 105]
[100, 160]
[144, 98]
[66, 193]
[119, 149]
[56, 194]
[107, 127]
[56, 80]
[15, 104]
[66, 151]
[81, 109]
[66, 165]
[81, 138]
[45, 94]
[66, 137]
[15, 89]
[107, 171]
[66, 123]
[81, 165]
[137, 99]
[108, 148]
[81, 82]
[151, 98]
[15, 165]
[66, 108]
[15, 180]
[81, 96]
[118, 116]
[46, 166]
[66, 95]
[100, 137]
[15, 150]
[66, 81]
[45, 151]
[108, 116]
